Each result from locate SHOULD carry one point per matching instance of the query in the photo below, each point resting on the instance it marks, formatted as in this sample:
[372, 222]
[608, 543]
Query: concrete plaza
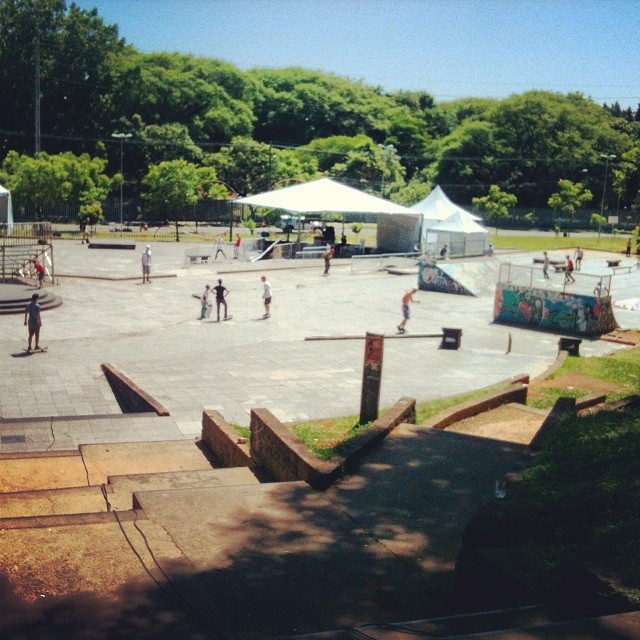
[152, 333]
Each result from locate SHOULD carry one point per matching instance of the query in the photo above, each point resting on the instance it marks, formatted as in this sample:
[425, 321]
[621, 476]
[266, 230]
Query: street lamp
[388, 151]
[122, 137]
[607, 158]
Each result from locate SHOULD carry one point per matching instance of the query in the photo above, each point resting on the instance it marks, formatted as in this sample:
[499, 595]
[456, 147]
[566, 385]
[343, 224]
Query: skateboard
[38, 350]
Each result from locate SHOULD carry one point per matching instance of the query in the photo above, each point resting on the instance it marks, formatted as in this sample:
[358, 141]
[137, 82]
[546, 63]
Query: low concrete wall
[568, 313]
[130, 397]
[562, 409]
[517, 393]
[222, 440]
[286, 458]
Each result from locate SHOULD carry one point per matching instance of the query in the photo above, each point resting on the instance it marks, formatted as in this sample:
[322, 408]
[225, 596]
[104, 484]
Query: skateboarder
[33, 320]
[221, 293]
[406, 299]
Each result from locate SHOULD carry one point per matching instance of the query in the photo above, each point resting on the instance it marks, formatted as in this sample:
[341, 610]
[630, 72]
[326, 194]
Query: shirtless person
[406, 299]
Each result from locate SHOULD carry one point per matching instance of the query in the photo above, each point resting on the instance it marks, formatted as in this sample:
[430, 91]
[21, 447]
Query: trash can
[451, 338]
[570, 345]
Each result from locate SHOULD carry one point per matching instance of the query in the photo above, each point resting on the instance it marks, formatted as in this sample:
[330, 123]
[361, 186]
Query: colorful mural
[553, 310]
[432, 278]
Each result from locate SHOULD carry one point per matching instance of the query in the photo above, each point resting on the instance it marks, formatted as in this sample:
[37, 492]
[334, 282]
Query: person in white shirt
[146, 264]
[266, 296]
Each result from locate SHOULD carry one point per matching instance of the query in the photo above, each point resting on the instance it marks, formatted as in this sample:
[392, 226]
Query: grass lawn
[552, 243]
[579, 501]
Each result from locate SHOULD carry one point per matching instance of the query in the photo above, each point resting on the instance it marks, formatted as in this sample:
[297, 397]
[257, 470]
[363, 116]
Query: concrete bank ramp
[466, 277]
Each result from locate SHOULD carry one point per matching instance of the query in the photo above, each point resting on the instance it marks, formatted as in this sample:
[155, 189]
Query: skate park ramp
[475, 277]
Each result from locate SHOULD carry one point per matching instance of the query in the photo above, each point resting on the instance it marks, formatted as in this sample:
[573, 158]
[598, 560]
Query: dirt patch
[573, 380]
[623, 336]
[509, 423]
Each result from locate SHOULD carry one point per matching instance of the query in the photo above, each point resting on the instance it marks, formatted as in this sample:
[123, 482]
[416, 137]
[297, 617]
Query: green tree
[246, 165]
[496, 205]
[542, 136]
[569, 197]
[76, 53]
[626, 177]
[467, 159]
[172, 185]
[55, 180]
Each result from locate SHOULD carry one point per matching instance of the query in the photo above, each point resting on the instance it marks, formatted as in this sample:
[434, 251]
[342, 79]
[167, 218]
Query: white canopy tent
[398, 226]
[6, 210]
[463, 235]
[436, 208]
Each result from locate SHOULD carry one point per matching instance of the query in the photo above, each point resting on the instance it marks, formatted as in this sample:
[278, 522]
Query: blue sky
[449, 48]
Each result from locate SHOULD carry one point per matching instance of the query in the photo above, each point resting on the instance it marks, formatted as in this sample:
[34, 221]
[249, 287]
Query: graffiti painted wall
[432, 278]
[553, 310]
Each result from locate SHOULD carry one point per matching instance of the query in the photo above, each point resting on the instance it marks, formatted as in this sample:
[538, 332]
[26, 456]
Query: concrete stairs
[88, 485]
[532, 623]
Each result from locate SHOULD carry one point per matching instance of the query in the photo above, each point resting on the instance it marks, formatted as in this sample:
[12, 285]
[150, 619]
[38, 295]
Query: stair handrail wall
[36, 238]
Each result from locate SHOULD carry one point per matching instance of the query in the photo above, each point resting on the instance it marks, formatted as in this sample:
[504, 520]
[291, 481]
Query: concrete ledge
[130, 397]
[286, 458]
[516, 393]
[222, 440]
[69, 520]
[111, 245]
[589, 401]
[561, 357]
[562, 409]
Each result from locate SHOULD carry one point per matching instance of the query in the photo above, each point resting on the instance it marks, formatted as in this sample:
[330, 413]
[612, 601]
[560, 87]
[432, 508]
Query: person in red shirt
[568, 274]
[40, 272]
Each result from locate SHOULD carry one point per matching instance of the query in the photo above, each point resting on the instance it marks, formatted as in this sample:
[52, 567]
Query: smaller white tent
[463, 235]
[6, 210]
[437, 207]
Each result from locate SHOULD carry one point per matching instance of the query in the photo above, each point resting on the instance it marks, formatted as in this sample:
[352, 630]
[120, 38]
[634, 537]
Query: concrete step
[120, 489]
[49, 502]
[93, 464]
[117, 459]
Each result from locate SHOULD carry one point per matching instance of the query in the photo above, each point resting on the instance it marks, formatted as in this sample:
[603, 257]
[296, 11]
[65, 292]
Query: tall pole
[604, 186]
[122, 137]
[37, 144]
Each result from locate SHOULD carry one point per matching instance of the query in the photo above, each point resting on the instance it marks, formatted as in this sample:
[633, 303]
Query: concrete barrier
[130, 397]
[223, 441]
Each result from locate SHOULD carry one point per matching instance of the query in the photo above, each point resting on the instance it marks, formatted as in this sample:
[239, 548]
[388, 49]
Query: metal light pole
[607, 158]
[388, 151]
[122, 137]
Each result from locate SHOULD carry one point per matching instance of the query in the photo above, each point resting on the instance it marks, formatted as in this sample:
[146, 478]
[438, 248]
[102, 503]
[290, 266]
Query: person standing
[40, 273]
[406, 299]
[579, 254]
[219, 249]
[33, 320]
[444, 251]
[266, 296]
[236, 247]
[545, 266]
[327, 255]
[205, 305]
[146, 264]
[221, 293]
[627, 249]
[568, 274]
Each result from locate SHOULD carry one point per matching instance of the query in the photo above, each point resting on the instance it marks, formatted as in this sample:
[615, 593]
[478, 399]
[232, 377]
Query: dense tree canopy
[265, 127]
